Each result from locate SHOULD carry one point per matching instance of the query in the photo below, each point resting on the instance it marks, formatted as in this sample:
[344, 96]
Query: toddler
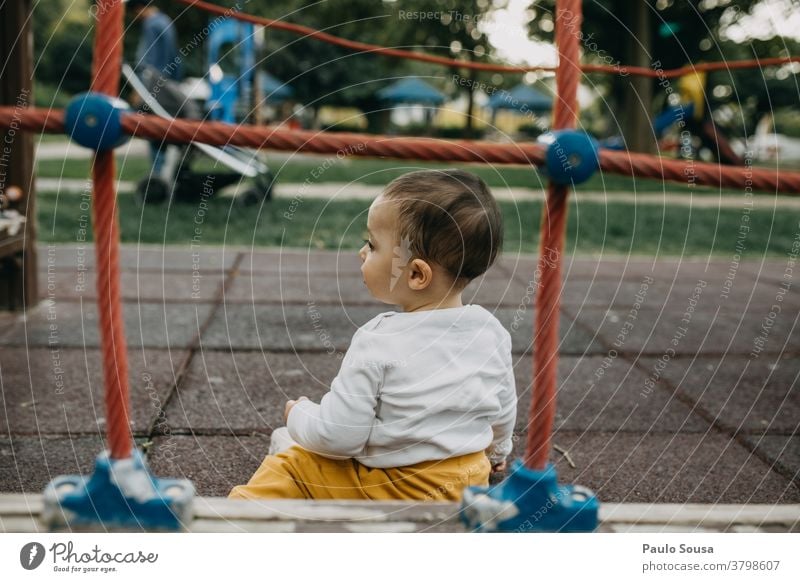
[424, 403]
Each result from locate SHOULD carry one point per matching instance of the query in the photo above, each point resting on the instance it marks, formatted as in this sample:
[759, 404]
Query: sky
[506, 29]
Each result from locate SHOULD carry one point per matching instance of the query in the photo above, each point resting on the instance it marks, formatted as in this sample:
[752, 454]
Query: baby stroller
[176, 180]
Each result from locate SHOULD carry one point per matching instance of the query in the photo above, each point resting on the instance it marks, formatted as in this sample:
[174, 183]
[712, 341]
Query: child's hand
[499, 468]
[289, 405]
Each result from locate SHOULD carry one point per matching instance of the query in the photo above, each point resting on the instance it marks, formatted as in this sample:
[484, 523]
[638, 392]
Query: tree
[454, 32]
[324, 74]
[62, 42]
[680, 32]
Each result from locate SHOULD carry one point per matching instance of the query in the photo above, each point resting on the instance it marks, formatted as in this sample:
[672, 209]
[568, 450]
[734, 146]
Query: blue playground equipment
[530, 501]
[228, 90]
[572, 157]
[120, 494]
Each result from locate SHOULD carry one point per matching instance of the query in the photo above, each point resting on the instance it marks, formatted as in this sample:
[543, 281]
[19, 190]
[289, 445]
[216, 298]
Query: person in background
[157, 52]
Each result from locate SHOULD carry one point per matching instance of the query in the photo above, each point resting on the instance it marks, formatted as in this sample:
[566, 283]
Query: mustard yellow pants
[300, 474]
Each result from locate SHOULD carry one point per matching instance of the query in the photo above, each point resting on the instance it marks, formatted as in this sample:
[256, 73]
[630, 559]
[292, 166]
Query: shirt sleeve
[339, 426]
[503, 426]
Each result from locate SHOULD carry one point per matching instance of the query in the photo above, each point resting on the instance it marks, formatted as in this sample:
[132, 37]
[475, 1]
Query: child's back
[427, 385]
[424, 403]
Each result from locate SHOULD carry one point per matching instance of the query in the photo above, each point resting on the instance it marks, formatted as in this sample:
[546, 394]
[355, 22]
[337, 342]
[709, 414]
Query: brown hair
[449, 217]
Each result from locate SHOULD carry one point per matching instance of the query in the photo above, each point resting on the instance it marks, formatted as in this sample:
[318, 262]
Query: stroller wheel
[250, 197]
[152, 190]
[260, 190]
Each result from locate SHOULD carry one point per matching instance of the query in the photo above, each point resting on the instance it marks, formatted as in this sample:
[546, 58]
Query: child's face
[382, 258]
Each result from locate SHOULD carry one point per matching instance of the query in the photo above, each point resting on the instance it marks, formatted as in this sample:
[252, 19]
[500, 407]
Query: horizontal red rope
[307, 31]
[33, 119]
[214, 133]
[626, 163]
[689, 69]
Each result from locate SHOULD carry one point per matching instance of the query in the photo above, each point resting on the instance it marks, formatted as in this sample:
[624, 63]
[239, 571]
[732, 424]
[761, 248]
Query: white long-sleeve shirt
[416, 386]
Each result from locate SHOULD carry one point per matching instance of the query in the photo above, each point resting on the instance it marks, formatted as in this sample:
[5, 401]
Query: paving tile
[299, 289]
[179, 258]
[323, 327]
[76, 325]
[727, 331]
[311, 327]
[490, 290]
[301, 262]
[604, 393]
[742, 394]
[767, 269]
[627, 447]
[783, 452]
[619, 467]
[214, 464]
[61, 391]
[149, 286]
[616, 267]
[134, 257]
[246, 391]
[656, 291]
[28, 464]
[658, 468]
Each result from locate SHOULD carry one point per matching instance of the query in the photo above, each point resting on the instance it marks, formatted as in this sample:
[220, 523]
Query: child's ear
[420, 275]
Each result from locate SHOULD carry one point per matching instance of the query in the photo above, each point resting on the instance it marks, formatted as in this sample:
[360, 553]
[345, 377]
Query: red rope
[689, 69]
[554, 221]
[686, 172]
[216, 133]
[301, 30]
[105, 79]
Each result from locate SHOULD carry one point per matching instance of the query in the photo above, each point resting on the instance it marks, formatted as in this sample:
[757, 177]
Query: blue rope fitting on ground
[94, 121]
[530, 501]
[121, 494]
[572, 157]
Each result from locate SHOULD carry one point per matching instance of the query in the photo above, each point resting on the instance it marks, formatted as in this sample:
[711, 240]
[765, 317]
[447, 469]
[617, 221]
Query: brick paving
[676, 384]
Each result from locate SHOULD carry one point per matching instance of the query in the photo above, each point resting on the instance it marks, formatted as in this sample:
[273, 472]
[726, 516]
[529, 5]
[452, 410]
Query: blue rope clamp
[120, 495]
[572, 156]
[94, 120]
[529, 500]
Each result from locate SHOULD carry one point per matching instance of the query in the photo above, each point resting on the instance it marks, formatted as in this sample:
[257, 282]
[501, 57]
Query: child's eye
[366, 242]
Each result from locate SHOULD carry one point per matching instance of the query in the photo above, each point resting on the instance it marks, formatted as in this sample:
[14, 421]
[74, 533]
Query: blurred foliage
[322, 74]
[319, 73]
[787, 122]
[62, 45]
[685, 32]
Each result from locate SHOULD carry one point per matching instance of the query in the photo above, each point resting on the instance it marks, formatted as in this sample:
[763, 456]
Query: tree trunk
[18, 252]
[468, 128]
[637, 130]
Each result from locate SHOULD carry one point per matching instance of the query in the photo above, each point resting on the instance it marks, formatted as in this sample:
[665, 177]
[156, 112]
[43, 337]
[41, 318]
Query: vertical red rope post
[554, 218]
[106, 67]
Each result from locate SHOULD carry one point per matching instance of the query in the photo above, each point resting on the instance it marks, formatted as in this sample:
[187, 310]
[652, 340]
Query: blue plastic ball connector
[94, 120]
[120, 495]
[572, 157]
[530, 501]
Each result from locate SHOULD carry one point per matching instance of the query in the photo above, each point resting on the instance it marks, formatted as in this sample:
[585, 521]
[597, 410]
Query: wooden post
[18, 252]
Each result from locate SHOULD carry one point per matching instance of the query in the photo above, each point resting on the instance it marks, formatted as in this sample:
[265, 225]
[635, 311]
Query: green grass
[379, 172]
[131, 168]
[314, 223]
